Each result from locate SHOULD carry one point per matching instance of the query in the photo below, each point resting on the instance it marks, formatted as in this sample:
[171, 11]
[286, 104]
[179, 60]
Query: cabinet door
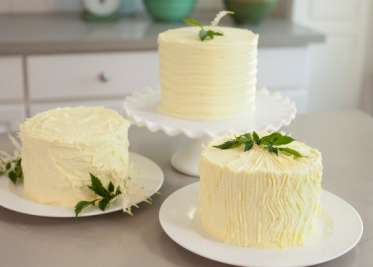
[11, 78]
[70, 77]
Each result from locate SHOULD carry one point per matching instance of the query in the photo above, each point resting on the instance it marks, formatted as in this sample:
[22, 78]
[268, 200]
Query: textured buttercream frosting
[258, 199]
[61, 147]
[213, 79]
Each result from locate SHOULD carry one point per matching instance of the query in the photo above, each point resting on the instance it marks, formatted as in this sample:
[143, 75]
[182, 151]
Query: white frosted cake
[61, 147]
[214, 79]
[256, 198]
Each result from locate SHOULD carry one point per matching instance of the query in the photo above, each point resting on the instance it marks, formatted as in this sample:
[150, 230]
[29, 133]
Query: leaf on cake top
[272, 143]
[207, 34]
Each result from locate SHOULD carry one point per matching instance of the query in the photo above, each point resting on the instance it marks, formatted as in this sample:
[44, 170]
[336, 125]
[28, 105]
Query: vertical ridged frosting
[61, 147]
[258, 199]
[214, 79]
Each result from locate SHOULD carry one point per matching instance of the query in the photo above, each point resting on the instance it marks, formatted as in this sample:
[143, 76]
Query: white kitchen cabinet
[90, 75]
[11, 115]
[87, 76]
[104, 79]
[11, 78]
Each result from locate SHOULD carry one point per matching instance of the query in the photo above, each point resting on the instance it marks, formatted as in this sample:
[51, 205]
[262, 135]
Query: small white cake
[61, 147]
[213, 79]
[257, 198]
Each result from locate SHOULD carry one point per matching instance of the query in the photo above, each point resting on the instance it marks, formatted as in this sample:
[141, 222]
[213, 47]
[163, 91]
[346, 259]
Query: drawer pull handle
[103, 77]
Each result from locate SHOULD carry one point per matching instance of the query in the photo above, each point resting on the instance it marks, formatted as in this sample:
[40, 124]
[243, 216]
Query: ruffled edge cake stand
[273, 111]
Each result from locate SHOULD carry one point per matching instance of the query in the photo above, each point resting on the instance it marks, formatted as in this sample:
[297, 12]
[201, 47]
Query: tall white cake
[214, 79]
[61, 147]
[257, 198]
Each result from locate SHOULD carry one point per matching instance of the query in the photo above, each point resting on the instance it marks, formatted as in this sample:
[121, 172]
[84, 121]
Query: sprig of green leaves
[13, 170]
[272, 143]
[104, 195]
[204, 34]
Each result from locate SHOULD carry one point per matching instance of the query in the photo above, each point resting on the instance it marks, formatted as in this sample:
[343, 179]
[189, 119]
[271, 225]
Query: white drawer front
[113, 104]
[283, 68]
[11, 78]
[91, 75]
[11, 115]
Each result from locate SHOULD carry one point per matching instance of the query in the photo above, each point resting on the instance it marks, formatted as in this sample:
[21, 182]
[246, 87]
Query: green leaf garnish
[97, 187]
[290, 152]
[256, 138]
[102, 204]
[106, 195]
[207, 34]
[272, 143]
[111, 187]
[82, 205]
[283, 140]
[248, 145]
[229, 144]
[12, 169]
[270, 139]
[193, 22]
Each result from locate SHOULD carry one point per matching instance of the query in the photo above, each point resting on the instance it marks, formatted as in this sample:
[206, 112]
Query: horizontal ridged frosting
[61, 147]
[258, 199]
[214, 79]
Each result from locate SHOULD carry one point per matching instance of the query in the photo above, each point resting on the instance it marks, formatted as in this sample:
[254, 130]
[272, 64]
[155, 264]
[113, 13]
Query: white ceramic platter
[142, 170]
[336, 234]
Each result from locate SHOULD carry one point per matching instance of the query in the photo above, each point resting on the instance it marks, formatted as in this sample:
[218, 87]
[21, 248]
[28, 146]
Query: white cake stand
[273, 111]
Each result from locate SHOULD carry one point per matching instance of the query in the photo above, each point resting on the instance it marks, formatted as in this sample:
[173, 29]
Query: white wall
[337, 65]
[367, 96]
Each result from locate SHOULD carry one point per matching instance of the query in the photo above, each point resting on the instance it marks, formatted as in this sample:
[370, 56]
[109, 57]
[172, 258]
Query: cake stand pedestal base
[186, 158]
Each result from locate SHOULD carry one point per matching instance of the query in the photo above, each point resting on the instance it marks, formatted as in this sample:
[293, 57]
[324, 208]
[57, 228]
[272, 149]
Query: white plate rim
[193, 188]
[12, 201]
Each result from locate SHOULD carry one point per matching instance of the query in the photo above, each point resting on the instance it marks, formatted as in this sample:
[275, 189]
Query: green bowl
[250, 11]
[169, 10]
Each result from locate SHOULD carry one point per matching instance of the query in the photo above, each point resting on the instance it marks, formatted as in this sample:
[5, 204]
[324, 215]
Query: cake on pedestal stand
[273, 111]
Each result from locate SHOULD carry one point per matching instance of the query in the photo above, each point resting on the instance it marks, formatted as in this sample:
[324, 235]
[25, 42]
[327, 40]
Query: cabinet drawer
[11, 115]
[113, 104]
[11, 78]
[91, 75]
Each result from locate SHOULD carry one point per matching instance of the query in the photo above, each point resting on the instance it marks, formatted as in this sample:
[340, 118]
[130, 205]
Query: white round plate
[142, 169]
[272, 112]
[179, 220]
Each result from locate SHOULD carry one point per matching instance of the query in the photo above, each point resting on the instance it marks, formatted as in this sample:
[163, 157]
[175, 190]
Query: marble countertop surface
[68, 33]
[121, 240]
